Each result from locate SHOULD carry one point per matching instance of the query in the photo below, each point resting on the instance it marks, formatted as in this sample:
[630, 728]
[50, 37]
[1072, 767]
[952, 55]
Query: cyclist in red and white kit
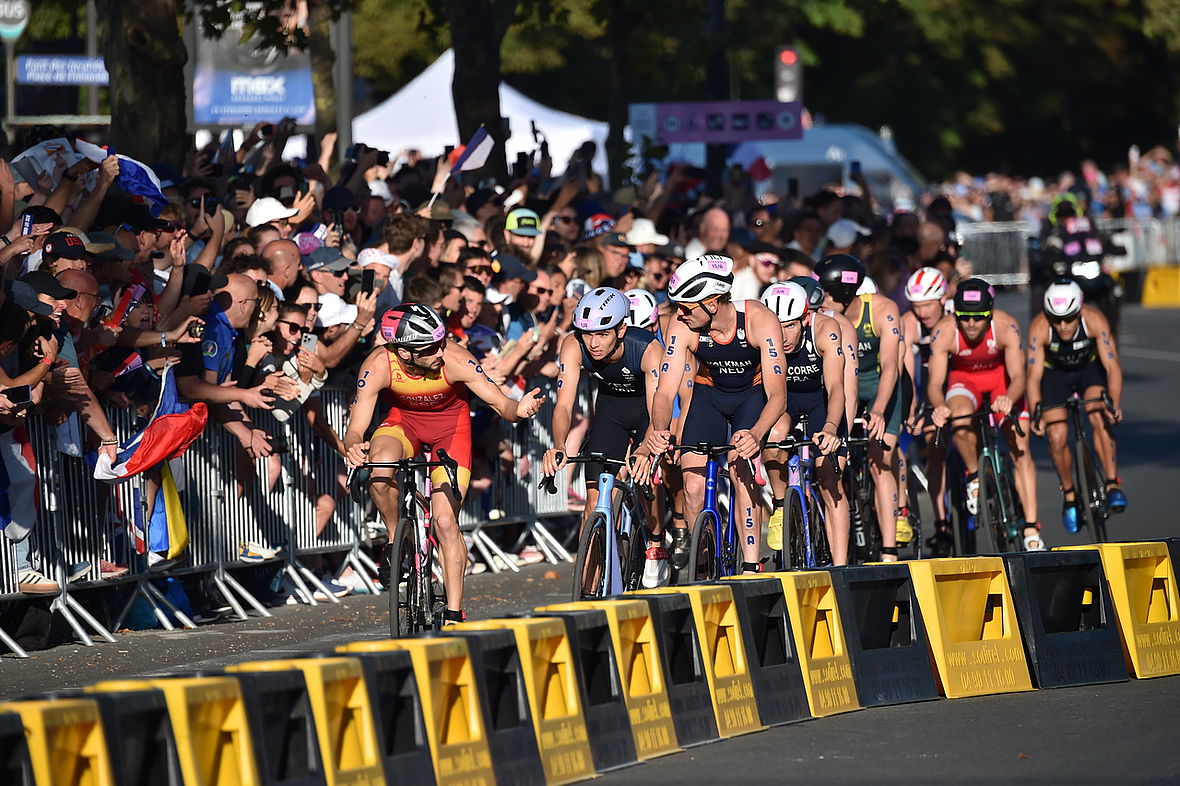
[976, 352]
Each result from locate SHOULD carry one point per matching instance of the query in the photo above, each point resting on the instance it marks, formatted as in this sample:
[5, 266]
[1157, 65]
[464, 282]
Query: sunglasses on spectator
[542, 291]
[477, 269]
[294, 327]
[769, 262]
[567, 219]
[973, 316]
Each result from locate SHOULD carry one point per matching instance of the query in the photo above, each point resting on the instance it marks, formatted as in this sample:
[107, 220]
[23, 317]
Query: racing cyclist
[429, 380]
[926, 290]
[739, 391]
[623, 360]
[816, 297]
[815, 388]
[978, 351]
[878, 346]
[1070, 350]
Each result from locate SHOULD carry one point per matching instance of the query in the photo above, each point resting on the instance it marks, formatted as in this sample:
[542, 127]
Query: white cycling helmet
[701, 278]
[601, 309]
[1063, 298]
[786, 299]
[924, 285]
[643, 308]
[867, 287]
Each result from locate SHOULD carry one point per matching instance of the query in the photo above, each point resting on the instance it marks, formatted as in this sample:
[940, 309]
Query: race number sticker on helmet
[848, 277]
[972, 296]
[701, 278]
[601, 309]
[786, 299]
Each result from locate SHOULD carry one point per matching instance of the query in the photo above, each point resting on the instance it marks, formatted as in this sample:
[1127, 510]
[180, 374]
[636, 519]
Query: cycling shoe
[1069, 516]
[973, 494]
[942, 542]
[681, 543]
[1116, 500]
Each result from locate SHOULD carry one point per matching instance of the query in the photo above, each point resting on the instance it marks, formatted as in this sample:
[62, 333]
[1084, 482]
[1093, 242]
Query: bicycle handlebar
[548, 483]
[409, 464]
[1074, 402]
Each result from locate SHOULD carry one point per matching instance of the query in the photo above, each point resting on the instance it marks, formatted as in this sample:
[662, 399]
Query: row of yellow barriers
[572, 689]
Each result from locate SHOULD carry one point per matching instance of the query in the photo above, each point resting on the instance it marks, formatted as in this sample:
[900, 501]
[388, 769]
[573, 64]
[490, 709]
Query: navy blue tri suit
[620, 409]
[1070, 365]
[806, 394]
[727, 392]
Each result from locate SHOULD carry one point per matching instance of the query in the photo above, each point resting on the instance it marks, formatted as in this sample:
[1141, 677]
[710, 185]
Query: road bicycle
[998, 514]
[806, 543]
[864, 545]
[1089, 479]
[618, 526]
[416, 602]
[714, 550]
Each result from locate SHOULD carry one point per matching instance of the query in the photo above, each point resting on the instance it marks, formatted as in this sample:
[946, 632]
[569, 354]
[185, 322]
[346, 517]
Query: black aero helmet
[974, 296]
[815, 293]
[841, 275]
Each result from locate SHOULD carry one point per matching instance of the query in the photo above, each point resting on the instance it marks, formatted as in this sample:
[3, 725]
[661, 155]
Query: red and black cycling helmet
[841, 275]
[412, 325]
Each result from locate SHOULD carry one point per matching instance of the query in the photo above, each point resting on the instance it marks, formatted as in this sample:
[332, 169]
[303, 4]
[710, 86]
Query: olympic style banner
[236, 84]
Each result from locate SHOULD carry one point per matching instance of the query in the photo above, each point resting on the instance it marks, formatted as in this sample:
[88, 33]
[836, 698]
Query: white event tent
[422, 115]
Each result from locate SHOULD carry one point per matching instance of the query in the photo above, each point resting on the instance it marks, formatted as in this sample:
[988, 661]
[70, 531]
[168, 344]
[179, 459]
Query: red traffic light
[788, 57]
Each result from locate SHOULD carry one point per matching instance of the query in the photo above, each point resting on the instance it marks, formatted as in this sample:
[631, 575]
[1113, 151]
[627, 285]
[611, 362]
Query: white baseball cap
[267, 209]
[334, 311]
[843, 232]
[643, 231]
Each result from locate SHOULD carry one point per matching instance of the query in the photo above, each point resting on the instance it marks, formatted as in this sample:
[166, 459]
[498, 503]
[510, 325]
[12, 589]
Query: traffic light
[788, 74]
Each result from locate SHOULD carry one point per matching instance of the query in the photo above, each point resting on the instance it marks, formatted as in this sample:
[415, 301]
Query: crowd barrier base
[551, 688]
[683, 662]
[343, 716]
[1066, 617]
[885, 634]
[770, 651]
[1161, 287]
[1143, 589]
[974, 635]
[66, 741]
[138, 731]
[604, 706]
[819, 640]
[451, 705]
[16, 767]
[643, 682]
[723, 652]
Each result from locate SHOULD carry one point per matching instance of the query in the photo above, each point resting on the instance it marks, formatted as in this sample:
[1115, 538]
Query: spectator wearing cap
[328, 270]
[712, 234]
[340, 341]
[512, 278]
[763, 269]
[63, 251]
[269, 210]
[110, 262]
[597, 225]
[616, 255]
[842, 235]
[523, 227]
[643, 236]
[285, 264]
[139, 230]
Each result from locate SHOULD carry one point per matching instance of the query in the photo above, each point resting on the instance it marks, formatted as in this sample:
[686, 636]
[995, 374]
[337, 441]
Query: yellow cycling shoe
[905, 533]
[774, 537]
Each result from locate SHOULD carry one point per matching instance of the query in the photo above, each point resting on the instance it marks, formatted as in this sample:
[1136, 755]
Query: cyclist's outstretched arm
[371, 379]
[910, 335]
[940, 350]
[1108, 356]
[1008, 332]
[851, 365]
[671, 373]
[462, 367]
[569, 373]
[888, 327]
[827, 342]
[1038, 336]
[764, 324]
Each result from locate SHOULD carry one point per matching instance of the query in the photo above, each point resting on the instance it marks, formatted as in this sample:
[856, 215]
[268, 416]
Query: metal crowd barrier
[267, 506]
[998, 251]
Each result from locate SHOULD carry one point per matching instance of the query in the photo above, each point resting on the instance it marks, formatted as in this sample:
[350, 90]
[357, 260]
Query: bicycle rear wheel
[989, 521]
[1091, 490]
[590, 566]
[702, 553]
[407, 601]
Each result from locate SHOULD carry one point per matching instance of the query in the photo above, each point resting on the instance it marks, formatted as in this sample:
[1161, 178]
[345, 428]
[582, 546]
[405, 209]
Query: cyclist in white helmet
[623, 361]
[739, 391]
[815, 388]
[926, 290]
[645, 311]
[1071, 350]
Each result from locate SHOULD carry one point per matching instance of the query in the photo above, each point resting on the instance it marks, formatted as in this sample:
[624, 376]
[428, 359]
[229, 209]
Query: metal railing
[293, 502]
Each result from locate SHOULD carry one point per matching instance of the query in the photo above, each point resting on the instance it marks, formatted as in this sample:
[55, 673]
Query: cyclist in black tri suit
[738, 393]
[623, 360]
[815, 388]
[1071, 350]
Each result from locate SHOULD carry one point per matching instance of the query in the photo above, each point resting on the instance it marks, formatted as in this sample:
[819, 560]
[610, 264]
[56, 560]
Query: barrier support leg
[488, 549]
[549, 544]
[150, 600]
[159, 597]
[232, 590]
[296, 567]
[356, 560]
[67, 607]
[10, 642]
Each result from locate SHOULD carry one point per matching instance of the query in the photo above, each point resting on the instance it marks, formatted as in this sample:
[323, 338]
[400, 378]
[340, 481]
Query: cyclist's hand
[530, 404]
[1002, 405]
[553, 461]
[1038, 427]
[358, 454]
[1114, 415]
[657, 442]
[876, 425]
[827, 443]
[746, 443]
[940, 415]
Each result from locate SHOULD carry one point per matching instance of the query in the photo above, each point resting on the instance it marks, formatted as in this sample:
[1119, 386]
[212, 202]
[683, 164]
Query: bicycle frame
[613, 581]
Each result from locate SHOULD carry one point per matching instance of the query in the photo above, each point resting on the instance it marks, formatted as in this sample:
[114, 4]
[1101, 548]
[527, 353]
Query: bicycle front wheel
[1091, 491]
[407, 601]
[590, 566]
[702, 555]
[796, 545]
[990, 521]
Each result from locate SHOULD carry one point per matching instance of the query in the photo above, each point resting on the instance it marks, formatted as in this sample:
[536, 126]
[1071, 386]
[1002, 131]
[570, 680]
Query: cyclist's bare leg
[1025, 472]
[836, 520]
[902, 468]
[1103, 435]
[747, 514]
[382, 484]
[444, 508]
[1057, 435]
[885, 482]
[692, 472]
[936, 477]
[774, 462]
[965, 437]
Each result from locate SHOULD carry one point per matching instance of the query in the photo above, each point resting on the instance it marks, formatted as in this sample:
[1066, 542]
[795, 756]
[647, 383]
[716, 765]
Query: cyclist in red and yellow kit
[429, 380]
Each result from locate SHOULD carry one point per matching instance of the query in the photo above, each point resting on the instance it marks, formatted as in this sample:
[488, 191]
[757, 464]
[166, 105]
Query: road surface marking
[1150, 354]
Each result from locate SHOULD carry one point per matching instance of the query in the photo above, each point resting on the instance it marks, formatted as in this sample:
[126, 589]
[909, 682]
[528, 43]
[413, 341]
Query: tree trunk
[618, 28]
[475, 39]
[145, 57]
[323, 61]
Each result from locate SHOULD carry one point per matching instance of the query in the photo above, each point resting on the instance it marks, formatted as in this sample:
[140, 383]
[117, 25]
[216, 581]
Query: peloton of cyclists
[1071, 350]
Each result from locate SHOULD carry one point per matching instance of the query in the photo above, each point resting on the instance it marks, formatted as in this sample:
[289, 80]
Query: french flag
[172, 428]
[135, 178]
[749, 156]
[475, 153]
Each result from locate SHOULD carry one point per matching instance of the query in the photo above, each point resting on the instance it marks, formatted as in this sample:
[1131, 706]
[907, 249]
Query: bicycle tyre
[703, 549]
[1090, 501]
[633, 547]
[591, 557]
[989, 519]
[793, 520]
[404, 581]
[821, 550]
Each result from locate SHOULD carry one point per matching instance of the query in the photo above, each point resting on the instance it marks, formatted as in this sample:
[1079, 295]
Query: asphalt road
[1122, 732]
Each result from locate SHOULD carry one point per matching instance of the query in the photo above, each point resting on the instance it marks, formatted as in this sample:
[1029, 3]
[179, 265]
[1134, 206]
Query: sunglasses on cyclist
[429, 349]
[1063, 320]
[973, 316]
[688, 308]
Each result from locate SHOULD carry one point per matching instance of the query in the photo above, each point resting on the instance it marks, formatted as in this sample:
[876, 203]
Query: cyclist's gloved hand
[358, 454]
[748, 446]
[553, 461]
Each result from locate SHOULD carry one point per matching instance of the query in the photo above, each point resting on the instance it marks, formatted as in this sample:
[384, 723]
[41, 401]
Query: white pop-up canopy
[422, 115]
